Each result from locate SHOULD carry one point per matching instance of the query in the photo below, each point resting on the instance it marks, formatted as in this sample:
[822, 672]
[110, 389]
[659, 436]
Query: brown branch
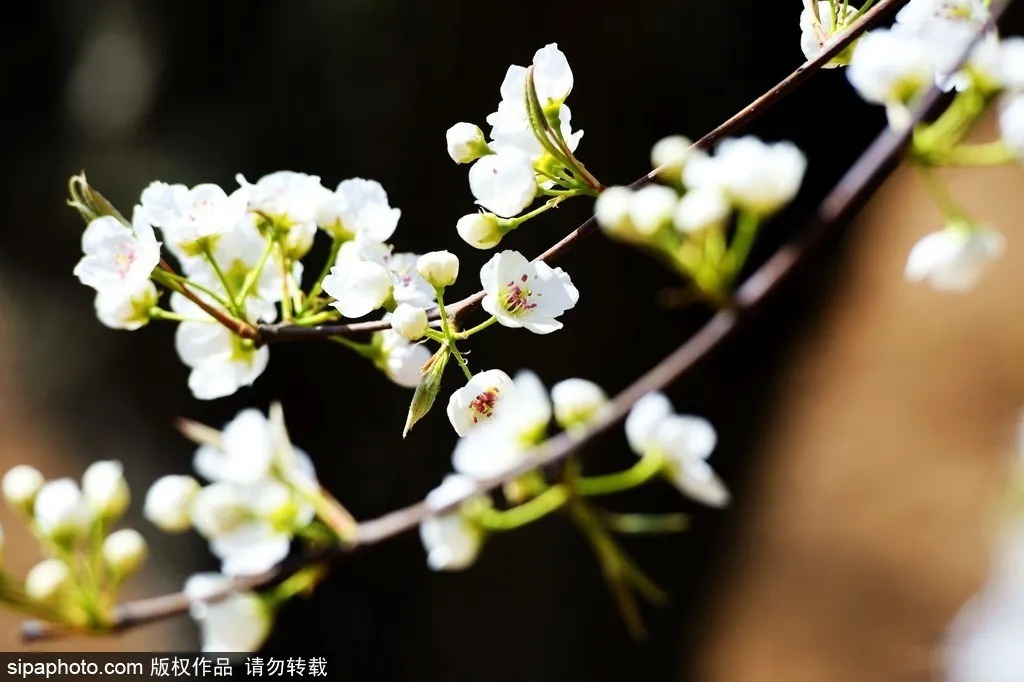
[835, 211]
[277, 333]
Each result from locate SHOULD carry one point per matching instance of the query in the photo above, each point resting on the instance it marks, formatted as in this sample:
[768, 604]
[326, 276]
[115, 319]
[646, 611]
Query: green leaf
[426, 390]
[89, 203]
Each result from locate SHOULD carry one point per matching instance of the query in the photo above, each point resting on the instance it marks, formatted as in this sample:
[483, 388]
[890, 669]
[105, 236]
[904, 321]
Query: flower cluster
[87, 561]
[686, 221]
[531, 151]
[894, 66]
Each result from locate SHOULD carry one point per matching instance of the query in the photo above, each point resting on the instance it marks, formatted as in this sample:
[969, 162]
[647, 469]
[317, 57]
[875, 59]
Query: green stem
[479, 328]
[513, 223]
[332, 256]
[315, 319]
[302, 581]
[550, 500]
[449, 337]
[367, 350]
[746, 232]
[157, 313]
[159, 275]
[649, 466]
[987, 154]
[253, 276]
[232, 300]
[940, 193]
[863, 8]
[286, 296]
[640, 524]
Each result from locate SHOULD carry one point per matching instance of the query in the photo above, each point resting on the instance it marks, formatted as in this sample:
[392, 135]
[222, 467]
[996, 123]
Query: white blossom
[760, 177]
[1011, 124]
[700, 209]
[124, 551]
[503, 183]
[552, 76]
[239, 622]
[409, 321]
[612, 212]
[46, 580]
[168, 502]
[245, 451]
[128, 311]
[889, 67]
[358, 208]
[438, 268]
[220, 361]
[816, 32]
[480, 230]
[518, 424]
[408, 286]
[454, 488]
[671, 153]
[20, 486]
[954, 259]
[285, 197]
[477, 401]
[358, 288]
[118, 259]
[466, 142]
[187, 215]
[105, 489]
[401, 360]
[651, 208]
[524, 294]
[684, 441]
[61, 511]
[1009, 62]
[576, 402]
[452, 542]
[944, 28]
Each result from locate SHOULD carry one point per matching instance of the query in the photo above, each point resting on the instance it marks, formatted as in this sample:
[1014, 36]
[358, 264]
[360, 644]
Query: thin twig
[835, 211]
[278, 333]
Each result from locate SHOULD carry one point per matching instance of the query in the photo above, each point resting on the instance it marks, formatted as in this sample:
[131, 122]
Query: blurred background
[866, 427]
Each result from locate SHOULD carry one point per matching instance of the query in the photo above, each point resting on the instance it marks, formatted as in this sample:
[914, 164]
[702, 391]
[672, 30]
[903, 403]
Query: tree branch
[277, 333]
[835, 212]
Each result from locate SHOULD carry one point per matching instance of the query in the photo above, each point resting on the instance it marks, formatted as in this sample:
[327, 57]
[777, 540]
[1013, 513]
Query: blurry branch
[458, 310]
[834, 212]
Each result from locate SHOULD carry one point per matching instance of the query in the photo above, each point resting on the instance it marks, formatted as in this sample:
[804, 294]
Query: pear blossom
[358, 208]
[410, 322]
[118, 259]
[817, 31]
[670, 153]
[219, 509]
[526, 294]
[503, 183]
[954, 259]
[551, 75]
[576, 402]
[700, 209]
[890, 67]
[1011, 124]
[451, 540]
[128, 311]
[651, 208]
[612, 212]
[285, 197]
[1009, 63]
[407, 284]
[466, 142]
[684, 441]
[46, 580]
[480, 230]
[124, 551]
[20, 486]
[944, 28]
[188, 215]
[220, 361]
[478, 400]
[244, 453]
[503, 443]
[61, 511]
[105, 489]
[358, 289]
[760, 177]
[401, 360]
[439, 268]
[168, 502]
[239, 622]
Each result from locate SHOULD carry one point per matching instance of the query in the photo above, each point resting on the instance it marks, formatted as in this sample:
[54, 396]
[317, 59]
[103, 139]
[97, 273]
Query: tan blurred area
[884, 464]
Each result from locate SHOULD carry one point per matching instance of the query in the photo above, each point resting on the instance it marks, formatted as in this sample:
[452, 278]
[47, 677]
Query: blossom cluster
[687, 220]
[951, 44]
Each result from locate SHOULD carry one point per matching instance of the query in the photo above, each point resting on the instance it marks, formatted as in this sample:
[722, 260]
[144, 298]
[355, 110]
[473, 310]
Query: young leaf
[426, 390]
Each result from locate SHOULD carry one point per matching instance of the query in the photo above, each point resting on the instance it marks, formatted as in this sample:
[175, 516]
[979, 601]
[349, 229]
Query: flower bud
[700, 209]
[651, 208]
[20, 486]
[124, 551]
[61, 511]
[105, 489]
[218, 509]
[576, 401]
[168, 502]
[46, 580]
[670, 154]
[466, 143]
[409, 321]
[612, 212]
[480, 230]
[439, 268]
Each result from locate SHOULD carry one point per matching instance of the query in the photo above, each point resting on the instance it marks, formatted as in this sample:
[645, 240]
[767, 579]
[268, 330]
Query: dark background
[197, 91]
